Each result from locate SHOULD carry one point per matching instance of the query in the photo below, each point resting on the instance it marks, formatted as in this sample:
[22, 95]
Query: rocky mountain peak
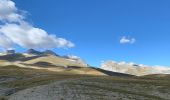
[33, 51]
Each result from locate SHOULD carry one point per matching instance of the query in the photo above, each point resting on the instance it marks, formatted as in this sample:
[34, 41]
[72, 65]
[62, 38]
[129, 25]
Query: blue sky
[97, 26]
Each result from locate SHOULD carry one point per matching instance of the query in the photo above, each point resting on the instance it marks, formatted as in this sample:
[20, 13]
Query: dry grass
[58, 61]
[24, 78]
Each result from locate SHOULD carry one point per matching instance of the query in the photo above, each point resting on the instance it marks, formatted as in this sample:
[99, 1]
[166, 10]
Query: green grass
[125, 86]
[37, 81]
[152, 97]
[27, 78]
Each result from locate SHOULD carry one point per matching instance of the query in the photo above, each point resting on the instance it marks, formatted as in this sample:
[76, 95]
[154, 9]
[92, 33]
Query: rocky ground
[97, 88]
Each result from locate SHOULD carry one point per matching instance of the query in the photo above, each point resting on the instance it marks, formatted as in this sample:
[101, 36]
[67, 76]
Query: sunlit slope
[53, 63]
[58, 61]
[157, 76]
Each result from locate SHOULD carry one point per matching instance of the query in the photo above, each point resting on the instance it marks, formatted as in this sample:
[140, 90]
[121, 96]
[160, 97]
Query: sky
[96, 30]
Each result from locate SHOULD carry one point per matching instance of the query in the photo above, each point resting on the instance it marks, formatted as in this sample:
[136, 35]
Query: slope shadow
[12, 57]
[18, 57]
[30, 58]
[43, 64]
[73, 67]
[110, 73]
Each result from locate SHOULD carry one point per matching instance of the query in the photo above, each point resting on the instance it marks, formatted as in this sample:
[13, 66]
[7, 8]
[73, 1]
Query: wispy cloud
[15, 30]
[127, 40]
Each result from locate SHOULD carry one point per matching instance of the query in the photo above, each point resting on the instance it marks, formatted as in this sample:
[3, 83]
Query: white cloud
[5, 42]
[127, 40]
[28, 36]
[9, 12]
[16, 31]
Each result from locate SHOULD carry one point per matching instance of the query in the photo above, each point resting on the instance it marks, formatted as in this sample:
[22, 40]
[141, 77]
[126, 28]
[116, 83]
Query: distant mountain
[48, 60]
[46, 52]
[34, 52]
[50, 52]
[134, 69]
[48, 57]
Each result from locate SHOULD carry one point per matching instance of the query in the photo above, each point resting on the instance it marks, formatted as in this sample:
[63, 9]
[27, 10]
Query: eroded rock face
[134, 69]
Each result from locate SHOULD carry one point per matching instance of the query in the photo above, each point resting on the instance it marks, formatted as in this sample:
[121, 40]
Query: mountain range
[45, 75]
[134, 69]
[49, 60]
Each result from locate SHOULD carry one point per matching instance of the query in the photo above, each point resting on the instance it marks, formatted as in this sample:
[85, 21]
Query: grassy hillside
[34, 77]
[51, 63]
[31, 59]
[14, 79]
[58, 61]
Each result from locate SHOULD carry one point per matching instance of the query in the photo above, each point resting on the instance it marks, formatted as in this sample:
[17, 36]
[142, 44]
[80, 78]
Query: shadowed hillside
[110, 73]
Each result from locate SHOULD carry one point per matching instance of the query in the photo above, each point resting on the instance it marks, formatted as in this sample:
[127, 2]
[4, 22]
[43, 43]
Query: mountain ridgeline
[49, 60]
[134, 69]
[46, 52]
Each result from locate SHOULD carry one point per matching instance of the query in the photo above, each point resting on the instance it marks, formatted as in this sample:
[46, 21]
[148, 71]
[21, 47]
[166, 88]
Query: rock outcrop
[134, 69]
